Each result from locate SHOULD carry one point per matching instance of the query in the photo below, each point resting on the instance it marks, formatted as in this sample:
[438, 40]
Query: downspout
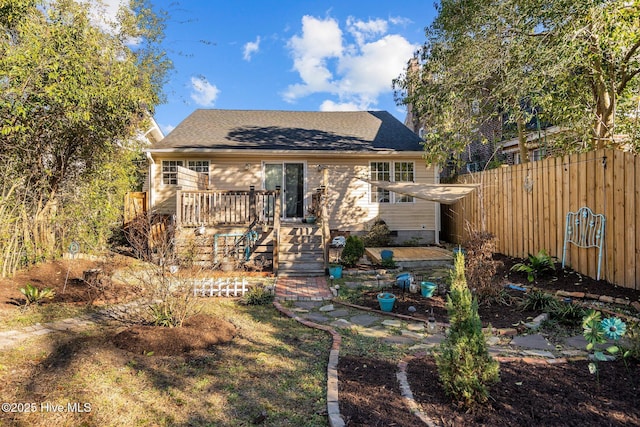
[151, 179]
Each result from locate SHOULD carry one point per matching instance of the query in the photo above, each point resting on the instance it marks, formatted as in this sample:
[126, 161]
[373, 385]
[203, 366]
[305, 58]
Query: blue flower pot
[403, 281]
[386, 254]
[336, 271]
[427, 289]
[386, 301]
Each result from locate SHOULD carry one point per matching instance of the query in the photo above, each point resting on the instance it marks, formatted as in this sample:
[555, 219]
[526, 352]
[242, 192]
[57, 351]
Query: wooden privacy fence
[525, 206]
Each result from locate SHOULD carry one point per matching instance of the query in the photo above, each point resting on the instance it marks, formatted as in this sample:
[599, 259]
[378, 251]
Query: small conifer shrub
[464, 365]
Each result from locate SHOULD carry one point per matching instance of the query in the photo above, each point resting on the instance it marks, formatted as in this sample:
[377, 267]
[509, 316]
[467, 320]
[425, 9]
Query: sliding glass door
[290, 178]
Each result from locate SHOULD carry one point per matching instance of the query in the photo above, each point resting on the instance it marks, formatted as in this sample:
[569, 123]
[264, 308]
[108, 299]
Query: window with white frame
[403, 172]
[391, 172]
[201, 166]
[380, 171]
[170, 171]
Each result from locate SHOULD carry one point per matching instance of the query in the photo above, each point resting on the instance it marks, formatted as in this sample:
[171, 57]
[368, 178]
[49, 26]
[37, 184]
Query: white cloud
[329, 105]
[202, 92]
[250, 48]
[356, 70]
[321, 41]
[363, 31]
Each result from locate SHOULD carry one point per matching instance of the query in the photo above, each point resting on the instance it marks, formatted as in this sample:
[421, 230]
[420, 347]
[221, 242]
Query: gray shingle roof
[291, 130]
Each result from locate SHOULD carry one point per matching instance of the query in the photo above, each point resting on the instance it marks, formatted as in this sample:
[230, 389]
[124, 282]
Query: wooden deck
[413, 256]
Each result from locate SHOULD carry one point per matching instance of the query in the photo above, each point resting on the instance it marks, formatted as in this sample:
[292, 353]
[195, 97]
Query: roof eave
[193, 150]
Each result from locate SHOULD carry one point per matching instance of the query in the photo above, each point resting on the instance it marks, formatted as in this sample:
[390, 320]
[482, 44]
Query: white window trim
[185, 164]
[162, 172]
[392, 173]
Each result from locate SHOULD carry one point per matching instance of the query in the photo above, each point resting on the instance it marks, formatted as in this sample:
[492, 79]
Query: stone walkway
[504, 345]
[302, 289]
[12, 338]
[311, 304]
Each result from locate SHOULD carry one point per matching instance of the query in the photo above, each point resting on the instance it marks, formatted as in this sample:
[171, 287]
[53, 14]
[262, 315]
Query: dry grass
[273, 373]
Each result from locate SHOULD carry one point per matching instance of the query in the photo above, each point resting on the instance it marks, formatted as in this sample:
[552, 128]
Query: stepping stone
[338, 313]
[308, 305]
[535, 323]
[412, 335]
[398, 339]
[341, 323]
[539, 353]
[433, 339]
[537, 342]
[416, 327]
[316, 317]
[492, 340]
[326, 308]
[373, 332]
[392, 323]
[574, 353]
[577, 341]
[364, 319]
[352, 285]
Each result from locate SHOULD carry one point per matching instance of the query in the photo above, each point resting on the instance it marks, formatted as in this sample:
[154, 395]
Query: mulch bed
[528, 394]
[500, 315]
[200, 332]
[538, 395]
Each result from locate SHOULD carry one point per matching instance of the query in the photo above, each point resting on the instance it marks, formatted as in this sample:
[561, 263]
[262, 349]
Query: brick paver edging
[333, 406]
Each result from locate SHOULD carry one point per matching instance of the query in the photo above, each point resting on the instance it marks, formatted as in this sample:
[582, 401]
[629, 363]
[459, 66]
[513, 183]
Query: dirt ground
[66, 278]
[565, 394]
[528, 394]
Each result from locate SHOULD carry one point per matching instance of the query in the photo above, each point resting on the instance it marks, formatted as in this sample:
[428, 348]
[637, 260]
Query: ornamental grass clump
[464, 365]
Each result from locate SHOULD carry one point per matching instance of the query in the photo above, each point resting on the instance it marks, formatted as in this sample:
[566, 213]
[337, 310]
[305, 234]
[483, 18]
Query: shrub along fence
[526, 205]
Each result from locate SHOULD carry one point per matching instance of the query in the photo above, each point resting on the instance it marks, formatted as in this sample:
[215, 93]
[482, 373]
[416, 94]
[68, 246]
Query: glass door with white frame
[290, 178]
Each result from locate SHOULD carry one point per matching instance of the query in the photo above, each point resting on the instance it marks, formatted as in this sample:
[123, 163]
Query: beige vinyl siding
[350, 205]
[350, 208]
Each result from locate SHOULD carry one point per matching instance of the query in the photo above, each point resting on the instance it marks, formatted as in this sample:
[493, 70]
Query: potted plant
[310, 218]
[386, 301]
[335, 270]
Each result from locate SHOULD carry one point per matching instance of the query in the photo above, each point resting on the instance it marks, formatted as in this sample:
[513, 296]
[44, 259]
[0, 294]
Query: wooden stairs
[300, 250]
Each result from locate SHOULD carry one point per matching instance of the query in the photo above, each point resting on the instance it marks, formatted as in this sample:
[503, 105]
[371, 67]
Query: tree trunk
[522, 140]
[604, 121]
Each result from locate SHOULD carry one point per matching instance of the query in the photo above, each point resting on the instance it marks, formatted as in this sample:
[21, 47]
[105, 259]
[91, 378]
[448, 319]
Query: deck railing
[195, 208]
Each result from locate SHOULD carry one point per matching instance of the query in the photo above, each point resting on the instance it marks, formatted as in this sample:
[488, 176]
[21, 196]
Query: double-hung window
[390, 172]
[201, 166]
[170, 171]
[380, 171]
[403, 172]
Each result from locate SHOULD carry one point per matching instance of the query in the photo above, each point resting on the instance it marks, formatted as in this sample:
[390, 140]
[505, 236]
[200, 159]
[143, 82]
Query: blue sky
[288, 55]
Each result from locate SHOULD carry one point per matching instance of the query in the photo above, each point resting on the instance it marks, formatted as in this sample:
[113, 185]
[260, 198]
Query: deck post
[178, 208]
[252, 204]
[276, 228]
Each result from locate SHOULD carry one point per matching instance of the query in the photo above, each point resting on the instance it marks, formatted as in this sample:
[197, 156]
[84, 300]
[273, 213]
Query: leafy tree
[576, 63]
[74, 93]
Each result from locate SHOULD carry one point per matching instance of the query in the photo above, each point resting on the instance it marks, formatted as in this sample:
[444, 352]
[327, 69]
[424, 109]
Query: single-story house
[304, 157]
